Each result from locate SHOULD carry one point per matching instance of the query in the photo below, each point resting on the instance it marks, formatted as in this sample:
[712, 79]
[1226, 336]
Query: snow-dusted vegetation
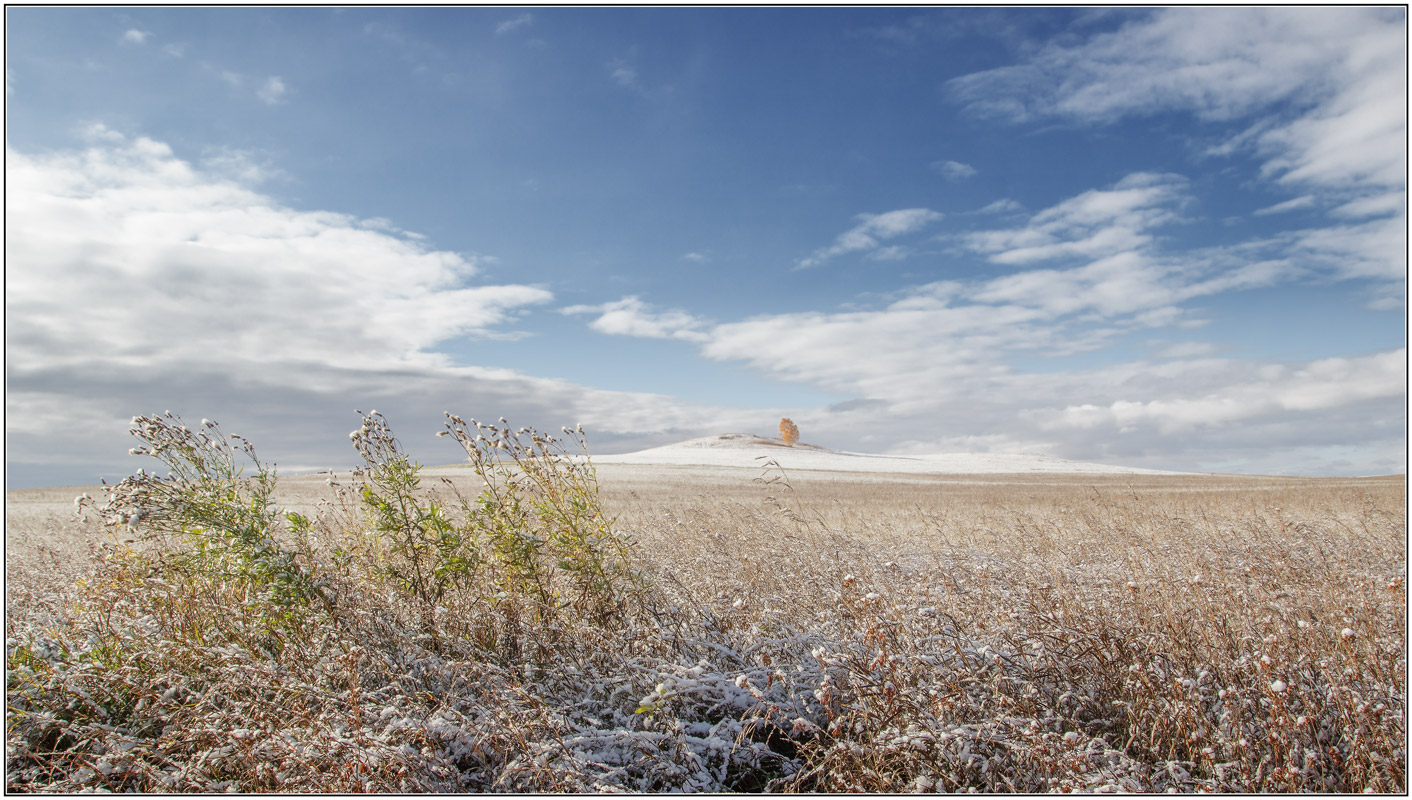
[522, 628]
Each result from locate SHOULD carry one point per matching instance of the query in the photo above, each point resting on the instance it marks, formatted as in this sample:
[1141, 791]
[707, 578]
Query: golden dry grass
[820, 632]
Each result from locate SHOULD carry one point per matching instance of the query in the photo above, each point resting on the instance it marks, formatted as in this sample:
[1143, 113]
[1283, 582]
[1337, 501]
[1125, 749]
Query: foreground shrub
[209, 526]
[401, 639]
[541, 511]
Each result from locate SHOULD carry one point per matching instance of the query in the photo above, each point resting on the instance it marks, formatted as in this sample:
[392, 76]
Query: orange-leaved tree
[789, 432]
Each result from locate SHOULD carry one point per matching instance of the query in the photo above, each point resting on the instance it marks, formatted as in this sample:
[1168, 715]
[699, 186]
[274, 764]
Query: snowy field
[743, 450]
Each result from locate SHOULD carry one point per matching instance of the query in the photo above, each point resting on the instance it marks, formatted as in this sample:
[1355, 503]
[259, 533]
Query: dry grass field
[799, 632]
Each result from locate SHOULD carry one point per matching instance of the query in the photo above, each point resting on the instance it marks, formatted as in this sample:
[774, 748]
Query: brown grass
[814, 633]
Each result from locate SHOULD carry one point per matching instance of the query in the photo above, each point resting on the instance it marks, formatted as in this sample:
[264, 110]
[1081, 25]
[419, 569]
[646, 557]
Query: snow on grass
[749, 451]
[1019, 636]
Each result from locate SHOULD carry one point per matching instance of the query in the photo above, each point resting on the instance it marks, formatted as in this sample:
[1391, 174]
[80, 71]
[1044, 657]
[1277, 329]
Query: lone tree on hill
[789, 432]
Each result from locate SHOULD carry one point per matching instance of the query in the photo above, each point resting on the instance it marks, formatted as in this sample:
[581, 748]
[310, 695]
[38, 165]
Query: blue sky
[1171, 238]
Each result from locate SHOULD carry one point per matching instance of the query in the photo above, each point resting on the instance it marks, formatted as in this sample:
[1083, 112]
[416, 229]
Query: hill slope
[748, 450]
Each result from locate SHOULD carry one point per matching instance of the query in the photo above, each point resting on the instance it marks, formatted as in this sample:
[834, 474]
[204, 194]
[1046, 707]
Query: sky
[1164, 238]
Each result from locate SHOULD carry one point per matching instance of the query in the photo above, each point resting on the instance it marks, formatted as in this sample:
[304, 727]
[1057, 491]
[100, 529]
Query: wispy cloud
[1275, 389]
[135, 36]
[696, 258]
[97, 132]
[522, 21]
[953, 170]
[949, 350]
[273, 91]
[632, 317]
[1306, 201]
[246, 167]
[870, 232]
[623, 73]
[1096, 223]
[1002, 206]
[1348, 127]
[1187, 350]
[421, 55]
[940, 362]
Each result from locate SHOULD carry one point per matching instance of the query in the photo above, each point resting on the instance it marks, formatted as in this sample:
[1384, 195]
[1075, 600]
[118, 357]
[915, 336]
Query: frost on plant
[541, 513]
[213, 521]
[424, 551]
[503, 640]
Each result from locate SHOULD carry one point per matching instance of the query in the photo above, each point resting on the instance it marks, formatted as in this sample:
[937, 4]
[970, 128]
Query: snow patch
[751, 451]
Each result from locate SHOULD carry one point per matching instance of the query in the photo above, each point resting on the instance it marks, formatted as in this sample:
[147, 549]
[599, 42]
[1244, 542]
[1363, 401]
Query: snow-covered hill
[748, 450]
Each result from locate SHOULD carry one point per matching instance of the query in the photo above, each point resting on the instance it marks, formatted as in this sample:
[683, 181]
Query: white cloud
[135, 36]
[945, 356]
[273, 91]
[137, 281]
[942, 363]
[511, 24]
[1375, 249]
[697, 258]
[1124, 283]
[894, 252]
[242, 166]
[953, 170]
[98, 132]
[175, 50]
[1183, 350]
[1218, 62]
[1002, 206]
[1305, 201]
[1376, 205]
[143, 242]
[1110, 235]
[632, 317]
[1341, 72]
[1094, 224]
[418, 54]
[871, 231]
[1274, 389]
[625, 75]
[920, 345]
